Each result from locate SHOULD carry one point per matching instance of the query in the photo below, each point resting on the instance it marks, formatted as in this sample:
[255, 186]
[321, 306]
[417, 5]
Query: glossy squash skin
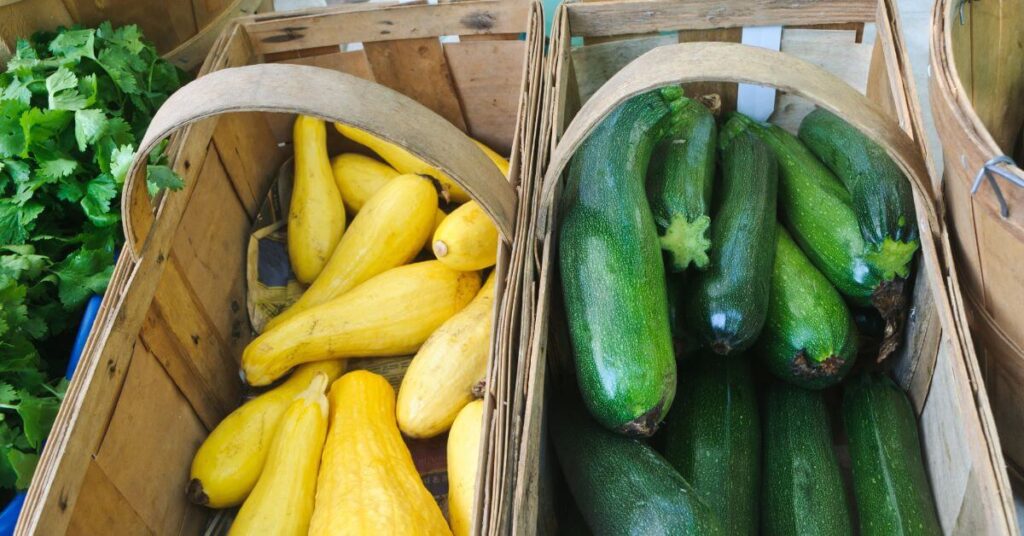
[613, 276]
[230, 460]
[467, 239]
[282, 501]
[316, 216]
[463, 464]
[403, 160]
[389, 231]
[442, 375]
[390, 314]
[359, 177]
[368, 483]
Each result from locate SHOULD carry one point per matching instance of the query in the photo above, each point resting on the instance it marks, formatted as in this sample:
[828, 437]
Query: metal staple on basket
[987, 170]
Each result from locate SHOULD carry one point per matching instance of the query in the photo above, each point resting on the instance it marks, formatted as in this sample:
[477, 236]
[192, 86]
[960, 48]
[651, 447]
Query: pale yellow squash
[403, 160]
[316, 216]
[230, 460]
[428, 247]
[359, 177]
[463, 455]
[495, 157]
[441, 377]
[391, 314]
[282, 501]
[389, 231]
[368, 484]
[467, 239]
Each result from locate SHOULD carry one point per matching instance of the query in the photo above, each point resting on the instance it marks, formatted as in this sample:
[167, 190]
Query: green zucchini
[727, 302]
[880, 193]
[621, 485]
[809, 339]
[802, 488]
[679, 183]
[817, 209]
[613, 278]
[714, 439]
[889, 480]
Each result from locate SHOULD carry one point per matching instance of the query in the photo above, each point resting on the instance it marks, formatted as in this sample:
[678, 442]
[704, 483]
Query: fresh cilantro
[73, 105]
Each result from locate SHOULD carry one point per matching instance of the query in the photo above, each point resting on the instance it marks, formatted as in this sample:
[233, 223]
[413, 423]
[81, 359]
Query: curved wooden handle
[338, 97]
[732, 62]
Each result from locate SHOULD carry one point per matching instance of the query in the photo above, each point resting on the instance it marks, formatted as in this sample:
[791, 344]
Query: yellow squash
[467, 239]
[359, 177]
[230, 460]
[388, 315]
[389, 231]
[440, 379]
[316, 217]
[428, 247]
[403, 160]
[282, 501]
[463, 453]
[495, 157]
[368, 484]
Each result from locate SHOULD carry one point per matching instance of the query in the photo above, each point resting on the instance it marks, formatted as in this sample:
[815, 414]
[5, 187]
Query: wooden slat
[643, 16]
[104, 509]
[180, 333]
[726, 90]
[998, 67]
[152, 417]
[210, 248]
[488, 77]
[418, 69]
[205, 11]
[353, 62]
[280, 33]
[593, 65]
[250, 155]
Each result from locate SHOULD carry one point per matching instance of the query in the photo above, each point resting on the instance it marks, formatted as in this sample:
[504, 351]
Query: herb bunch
[72, 105]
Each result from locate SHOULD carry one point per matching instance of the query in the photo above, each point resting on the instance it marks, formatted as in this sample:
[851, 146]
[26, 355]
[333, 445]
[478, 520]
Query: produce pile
[72, 105]
[389, 273]
[760, 264]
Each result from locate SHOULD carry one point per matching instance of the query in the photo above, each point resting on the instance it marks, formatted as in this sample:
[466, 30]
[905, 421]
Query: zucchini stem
[687, 242]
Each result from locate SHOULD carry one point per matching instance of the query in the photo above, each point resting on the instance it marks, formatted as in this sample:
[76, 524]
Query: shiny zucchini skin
[879, 192]
[714, 438]
[613, 277]
[621, 485]
[727, 303]
[817, 210]
[679, 187]
[802, 488]
[809, 339]
[889, 479]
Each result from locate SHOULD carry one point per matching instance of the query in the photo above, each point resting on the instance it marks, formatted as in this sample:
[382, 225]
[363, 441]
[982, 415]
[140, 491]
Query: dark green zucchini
[727, 302]
[621, 485]
[679, 183]
[893, 495]
[802, 489]
[816, 208]
[714, 439]
[613, 278]
[809, 338]
[880, 193]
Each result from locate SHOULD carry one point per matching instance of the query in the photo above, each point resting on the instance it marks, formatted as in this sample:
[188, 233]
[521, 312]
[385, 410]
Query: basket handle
[332, 96]
[733, 62]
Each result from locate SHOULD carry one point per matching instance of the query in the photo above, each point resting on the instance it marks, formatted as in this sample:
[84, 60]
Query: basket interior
[468, 65]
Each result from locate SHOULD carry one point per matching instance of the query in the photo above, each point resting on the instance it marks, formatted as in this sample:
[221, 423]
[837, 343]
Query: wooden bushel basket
[182, 30]
[161, 367]
[977, 96]
[631, 47]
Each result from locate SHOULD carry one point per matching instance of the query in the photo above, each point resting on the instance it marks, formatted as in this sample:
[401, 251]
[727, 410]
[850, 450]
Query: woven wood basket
[977, 96]
[633, 46]
[161, 367]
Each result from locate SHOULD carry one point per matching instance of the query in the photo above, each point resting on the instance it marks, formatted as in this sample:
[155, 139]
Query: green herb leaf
[162, 178]
[89, 125]
[72, 45]
[84, 273]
